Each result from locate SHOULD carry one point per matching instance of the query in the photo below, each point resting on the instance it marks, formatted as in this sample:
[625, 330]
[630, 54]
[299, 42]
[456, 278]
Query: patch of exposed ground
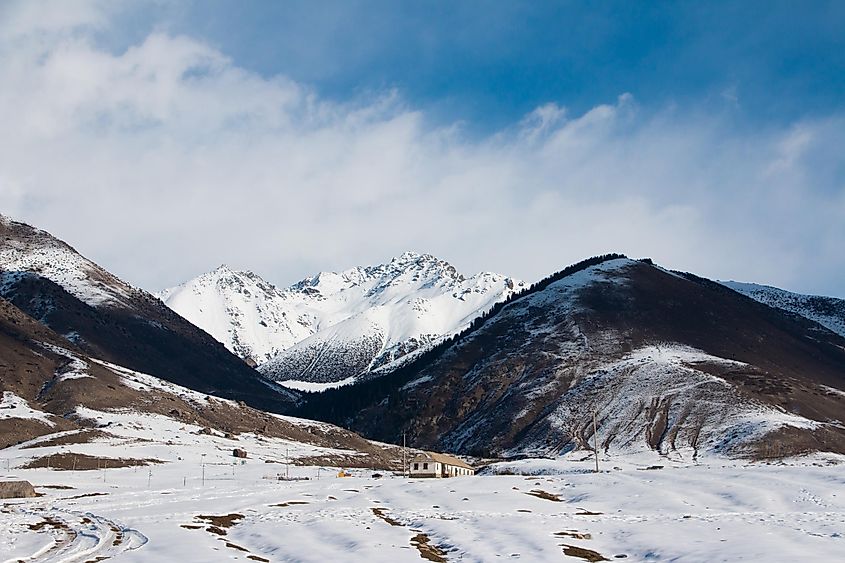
[366, 461]
[82, 437]
[575, 534]
[581, 553]
[223, 521]
[289, 503]
[86, 495]
[48, 522]
[379, 513]
[428, 551]
[231, 545]
[15, 431]
[82, 462]
[539, 493]
[218, 525]
[791, 441]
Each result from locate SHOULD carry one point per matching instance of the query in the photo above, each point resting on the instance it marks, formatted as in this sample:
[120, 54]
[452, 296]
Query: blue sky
[489, 63]
[293, 137]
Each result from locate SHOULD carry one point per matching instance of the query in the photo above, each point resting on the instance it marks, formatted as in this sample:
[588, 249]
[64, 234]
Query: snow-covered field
[713, 511]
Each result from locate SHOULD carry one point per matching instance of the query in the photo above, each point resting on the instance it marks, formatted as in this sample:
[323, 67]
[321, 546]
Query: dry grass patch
[81, 437]
[67, 461]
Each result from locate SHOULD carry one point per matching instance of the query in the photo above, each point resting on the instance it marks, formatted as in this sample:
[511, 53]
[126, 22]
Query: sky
[162, 139]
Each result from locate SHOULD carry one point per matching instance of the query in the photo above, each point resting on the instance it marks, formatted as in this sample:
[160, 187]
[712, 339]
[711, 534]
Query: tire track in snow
[78, 536]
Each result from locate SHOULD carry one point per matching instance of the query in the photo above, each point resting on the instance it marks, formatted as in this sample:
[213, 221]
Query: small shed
[431, 464]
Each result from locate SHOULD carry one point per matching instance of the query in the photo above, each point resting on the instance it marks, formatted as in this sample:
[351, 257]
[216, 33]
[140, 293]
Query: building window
[425, 466]
[416, 466]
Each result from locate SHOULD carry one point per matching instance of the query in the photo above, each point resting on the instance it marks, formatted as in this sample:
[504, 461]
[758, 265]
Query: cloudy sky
[162, 139]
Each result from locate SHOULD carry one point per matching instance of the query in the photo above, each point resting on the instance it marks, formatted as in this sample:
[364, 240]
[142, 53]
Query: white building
[430, 464]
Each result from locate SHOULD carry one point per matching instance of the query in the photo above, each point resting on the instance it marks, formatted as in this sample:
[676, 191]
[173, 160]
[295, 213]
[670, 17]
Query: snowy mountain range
[827, 311]
[668, 362]
[664, 361]
[336, 326]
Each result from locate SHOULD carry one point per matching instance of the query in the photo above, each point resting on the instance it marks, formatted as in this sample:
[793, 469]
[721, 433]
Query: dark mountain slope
[669, 362]
[108, 319]
[827, 311]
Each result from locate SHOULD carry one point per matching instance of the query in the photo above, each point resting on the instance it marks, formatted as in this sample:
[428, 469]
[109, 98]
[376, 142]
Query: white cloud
[166, 159]
[30, 18]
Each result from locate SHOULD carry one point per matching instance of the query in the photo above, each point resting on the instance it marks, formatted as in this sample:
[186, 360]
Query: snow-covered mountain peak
[422, 265]
[400, 306]
[27, 250]
[827, 311]
[408, 269]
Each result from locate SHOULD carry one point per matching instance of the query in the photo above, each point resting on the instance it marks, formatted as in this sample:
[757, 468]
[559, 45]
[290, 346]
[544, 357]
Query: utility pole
[404, 453]
[596, 440]
[287, 464]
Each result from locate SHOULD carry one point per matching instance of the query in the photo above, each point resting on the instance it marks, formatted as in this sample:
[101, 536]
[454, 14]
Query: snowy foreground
[789, 511]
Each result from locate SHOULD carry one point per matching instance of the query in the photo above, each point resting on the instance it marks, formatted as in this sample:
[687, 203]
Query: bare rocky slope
[667, 362]
[50, 387]
[110, 320]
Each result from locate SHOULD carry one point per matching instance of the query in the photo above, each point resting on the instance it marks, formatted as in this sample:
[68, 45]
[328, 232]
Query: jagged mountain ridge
[827, 311]
[336, 326]
[668, 362]
[109, 319]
